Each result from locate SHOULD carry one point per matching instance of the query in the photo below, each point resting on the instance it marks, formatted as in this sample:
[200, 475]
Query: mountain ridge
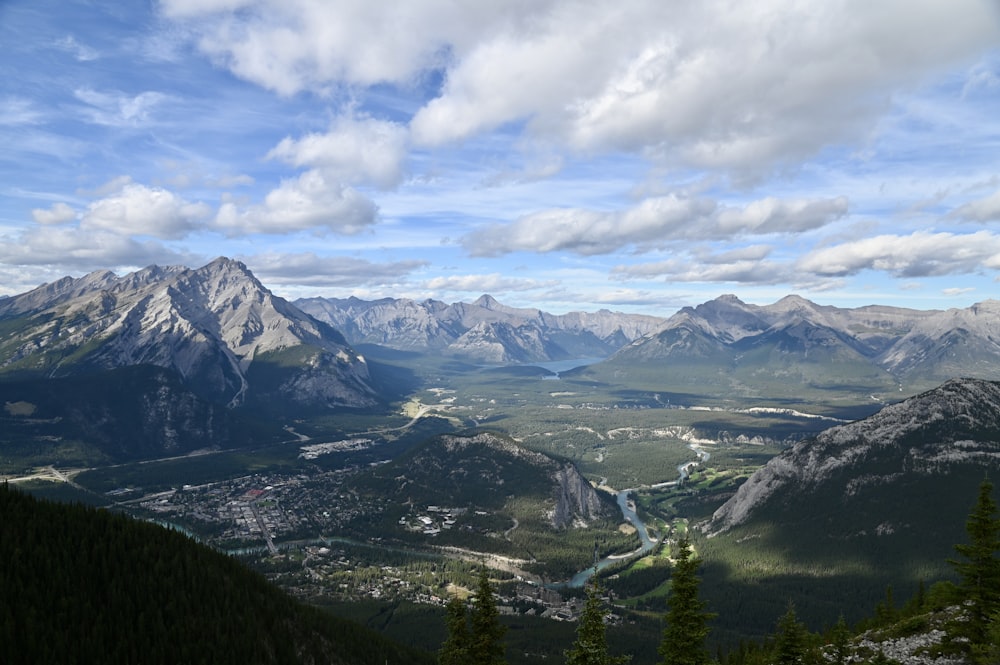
[726, 346]
[209, 324]
[482, 331]
[956, 423]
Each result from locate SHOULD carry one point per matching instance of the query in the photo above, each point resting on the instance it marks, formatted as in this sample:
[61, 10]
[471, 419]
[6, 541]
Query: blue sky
[634, 155]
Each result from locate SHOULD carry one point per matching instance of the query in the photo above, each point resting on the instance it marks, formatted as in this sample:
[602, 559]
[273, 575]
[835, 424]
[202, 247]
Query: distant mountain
[226, 336]
[726, 347]
[82, 585]
[483, 331]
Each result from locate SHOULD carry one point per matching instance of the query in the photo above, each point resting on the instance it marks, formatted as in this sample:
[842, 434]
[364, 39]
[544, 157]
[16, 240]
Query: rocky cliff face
[210, 325]
[957, 423]
[576, 498]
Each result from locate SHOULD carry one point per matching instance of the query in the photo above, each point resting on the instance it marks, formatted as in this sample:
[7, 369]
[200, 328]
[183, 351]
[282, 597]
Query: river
[628, 512]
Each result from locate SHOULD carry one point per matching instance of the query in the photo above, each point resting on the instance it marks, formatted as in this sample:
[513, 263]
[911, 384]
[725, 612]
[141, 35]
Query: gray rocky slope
[482, 331]
[957, 423]
[216, 326]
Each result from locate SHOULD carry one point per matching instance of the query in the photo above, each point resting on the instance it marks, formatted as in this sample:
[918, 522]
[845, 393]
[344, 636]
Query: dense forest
[80, 584]
[84, 585]
[948, 623]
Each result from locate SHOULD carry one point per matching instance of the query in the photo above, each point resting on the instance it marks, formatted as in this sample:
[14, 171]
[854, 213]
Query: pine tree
[486, 639]
[839, 641]
[790, 646]
[455, 650]
[687, 621]
[591, 646]
[980, 571]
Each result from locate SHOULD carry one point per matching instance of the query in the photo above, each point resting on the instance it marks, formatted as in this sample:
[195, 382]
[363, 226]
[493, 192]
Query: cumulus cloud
[491, 283]
[980, 210]
[292, 45]
[654, 222]
[313, 270]
[59, 213]
[140, 210]
[711, 84]
[355, 150]
[73, 249]
[772, 215]
[310, 202]
[708, 269]
[920, 254]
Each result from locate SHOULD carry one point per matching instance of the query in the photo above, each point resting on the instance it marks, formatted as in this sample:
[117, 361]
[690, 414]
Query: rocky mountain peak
[209, 324]
[487, 301]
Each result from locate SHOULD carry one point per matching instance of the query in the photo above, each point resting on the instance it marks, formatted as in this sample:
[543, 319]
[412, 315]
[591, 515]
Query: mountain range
[726, 347]
[484, 331]
[223, 344]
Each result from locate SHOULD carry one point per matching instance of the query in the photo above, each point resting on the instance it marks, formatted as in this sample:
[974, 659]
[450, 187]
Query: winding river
[628, 512]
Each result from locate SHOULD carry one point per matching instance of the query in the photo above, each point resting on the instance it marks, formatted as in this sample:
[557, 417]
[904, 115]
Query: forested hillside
[81, 585]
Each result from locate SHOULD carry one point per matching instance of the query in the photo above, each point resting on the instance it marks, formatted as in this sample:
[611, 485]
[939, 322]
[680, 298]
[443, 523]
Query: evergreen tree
[486, 639]
[980, 571]
[791, 643]
[840, 638]
[687, 621]
[591, 646]
[455, 650]
[992, 651]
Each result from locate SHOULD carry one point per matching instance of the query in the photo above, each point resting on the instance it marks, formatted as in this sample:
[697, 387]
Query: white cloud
[81, 52]
[309, 202]
[118, 109]
[59, 213]
[73, 249]
[772, 215]
[655, 222]
[743, 87]
[293, 45]
[981, 210]
[491, 283]
[313, 270]
[741, 270]
[19, 111]
[140, 210]
[355, 150]
[920, 254]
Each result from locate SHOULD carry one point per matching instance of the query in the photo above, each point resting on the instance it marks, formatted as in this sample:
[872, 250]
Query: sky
[569, 155]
